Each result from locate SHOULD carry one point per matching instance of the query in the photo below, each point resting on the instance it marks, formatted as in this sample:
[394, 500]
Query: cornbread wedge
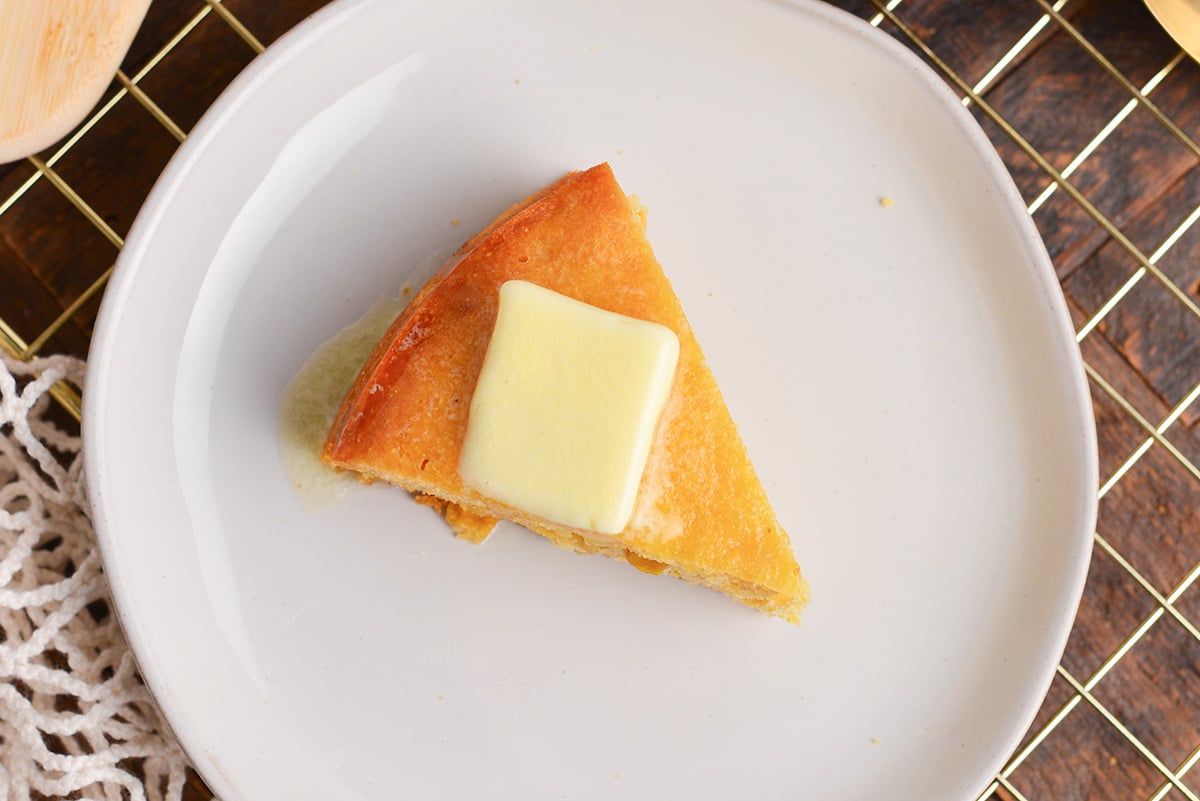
[701, 513]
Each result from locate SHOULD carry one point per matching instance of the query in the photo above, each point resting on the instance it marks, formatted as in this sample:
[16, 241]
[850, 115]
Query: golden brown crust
[465, 525]
[701, 509]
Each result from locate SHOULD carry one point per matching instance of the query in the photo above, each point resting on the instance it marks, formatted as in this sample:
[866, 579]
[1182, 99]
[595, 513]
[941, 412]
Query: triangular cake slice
[701, 513]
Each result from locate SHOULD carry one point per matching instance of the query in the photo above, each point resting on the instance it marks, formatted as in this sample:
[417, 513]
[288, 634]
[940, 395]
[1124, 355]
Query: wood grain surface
[1128, 694]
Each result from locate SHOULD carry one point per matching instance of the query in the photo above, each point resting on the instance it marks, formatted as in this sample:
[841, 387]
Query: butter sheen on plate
[565, 408]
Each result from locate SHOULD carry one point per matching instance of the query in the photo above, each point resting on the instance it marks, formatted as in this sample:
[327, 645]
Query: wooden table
[1095, 111]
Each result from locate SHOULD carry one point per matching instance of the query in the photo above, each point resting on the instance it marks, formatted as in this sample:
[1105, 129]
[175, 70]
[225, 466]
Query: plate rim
[244, 88]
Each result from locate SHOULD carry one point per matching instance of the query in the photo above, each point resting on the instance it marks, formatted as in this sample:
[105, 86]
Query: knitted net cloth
[75, 719]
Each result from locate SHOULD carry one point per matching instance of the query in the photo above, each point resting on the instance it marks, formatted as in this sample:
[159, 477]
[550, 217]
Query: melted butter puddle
[312, 397]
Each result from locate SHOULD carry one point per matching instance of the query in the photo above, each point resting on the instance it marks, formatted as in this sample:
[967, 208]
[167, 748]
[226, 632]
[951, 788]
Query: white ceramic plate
[905, 379]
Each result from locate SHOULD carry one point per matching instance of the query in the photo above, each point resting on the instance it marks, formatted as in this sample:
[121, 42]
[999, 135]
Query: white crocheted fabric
[75, 719]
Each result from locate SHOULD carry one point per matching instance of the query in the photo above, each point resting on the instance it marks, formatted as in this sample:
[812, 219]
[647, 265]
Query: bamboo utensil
[1181, 19]
[56, 58]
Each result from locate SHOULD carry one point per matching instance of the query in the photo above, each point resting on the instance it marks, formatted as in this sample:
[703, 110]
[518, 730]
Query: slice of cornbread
[701, 513]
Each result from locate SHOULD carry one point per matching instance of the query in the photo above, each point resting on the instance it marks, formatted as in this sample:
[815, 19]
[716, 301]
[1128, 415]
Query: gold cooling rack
[1122, 718]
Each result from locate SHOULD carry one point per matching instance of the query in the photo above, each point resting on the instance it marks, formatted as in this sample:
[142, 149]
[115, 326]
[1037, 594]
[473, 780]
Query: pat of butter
[565, 408]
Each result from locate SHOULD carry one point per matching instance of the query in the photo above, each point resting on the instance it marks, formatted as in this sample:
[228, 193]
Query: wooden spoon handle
[56, 58]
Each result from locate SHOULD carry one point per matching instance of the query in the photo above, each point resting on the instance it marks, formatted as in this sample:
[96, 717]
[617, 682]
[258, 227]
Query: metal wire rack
[1122, 718]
